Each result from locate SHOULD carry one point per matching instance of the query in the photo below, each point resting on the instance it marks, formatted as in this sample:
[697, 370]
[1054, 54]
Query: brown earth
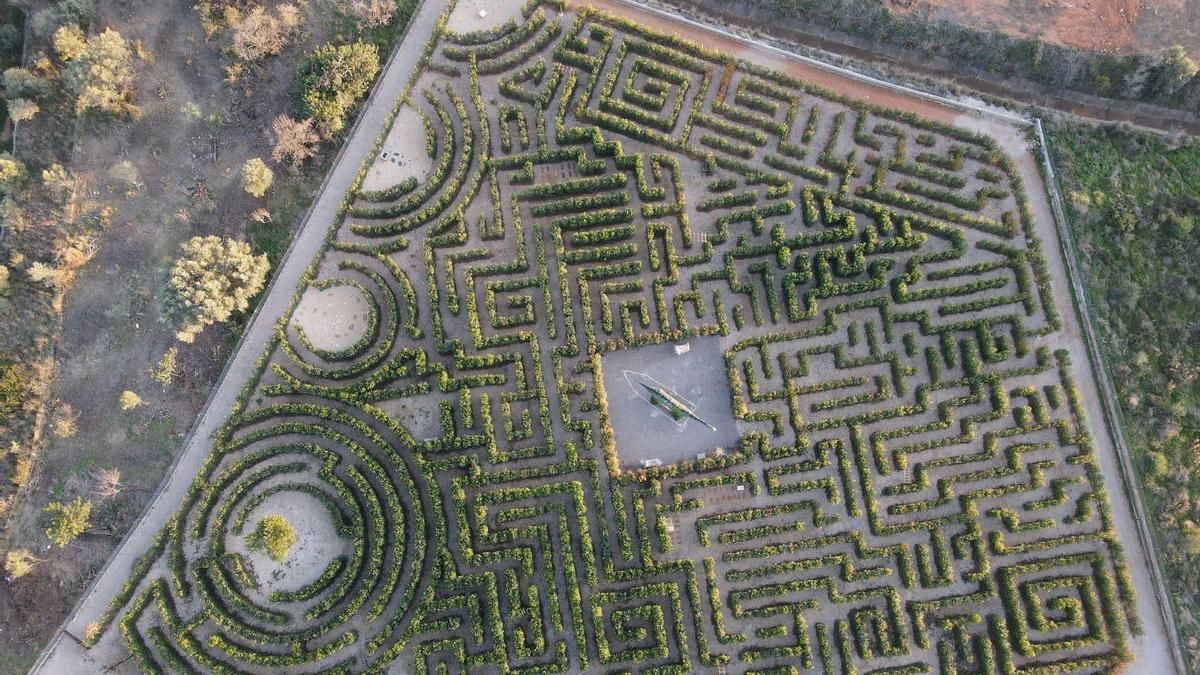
[1106, 26]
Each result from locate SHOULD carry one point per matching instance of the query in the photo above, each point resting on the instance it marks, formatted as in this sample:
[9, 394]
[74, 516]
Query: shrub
[22, 109]
[295, 141]
[334, 78]
[256, 177]
[261, 33]
[19, 562]
[373, 13]
[99, 73]
[130, 400]
[63, 13]
[275, 536]
[165, 370]
[213, 278]
[65, 522]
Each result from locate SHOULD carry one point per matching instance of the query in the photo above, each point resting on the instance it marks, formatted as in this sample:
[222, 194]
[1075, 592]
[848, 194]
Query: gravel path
[64, 654]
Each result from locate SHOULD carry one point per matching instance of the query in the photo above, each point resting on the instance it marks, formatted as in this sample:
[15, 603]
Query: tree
[62, 13]
[108, 484]
[1177, 68]
[334, 78]
[100, 76]
[10, 37]
[22, 109]
[165, 370]
[20, 83]
[274, 535]
[65, 522]
[373, 13]
[69, 42]
[261, 33]
[19, 562]
[10, 169]
[130, 400]
[213, 279]
[295, 141]
[256, 177]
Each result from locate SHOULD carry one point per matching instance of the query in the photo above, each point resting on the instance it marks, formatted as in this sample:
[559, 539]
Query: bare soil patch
[1106, 26]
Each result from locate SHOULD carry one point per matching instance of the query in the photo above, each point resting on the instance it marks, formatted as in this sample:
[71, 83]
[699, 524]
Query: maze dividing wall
[914, 488]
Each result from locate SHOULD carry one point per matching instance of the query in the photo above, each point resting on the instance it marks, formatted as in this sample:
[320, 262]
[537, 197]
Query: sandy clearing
[466, 16]
[334, 318]
[403, 154]
[317, 543]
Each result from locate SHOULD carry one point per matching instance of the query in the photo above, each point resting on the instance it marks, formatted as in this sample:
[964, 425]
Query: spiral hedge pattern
[914, 490]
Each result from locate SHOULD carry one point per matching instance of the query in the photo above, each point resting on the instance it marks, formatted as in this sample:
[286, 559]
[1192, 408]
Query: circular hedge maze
[913, 487]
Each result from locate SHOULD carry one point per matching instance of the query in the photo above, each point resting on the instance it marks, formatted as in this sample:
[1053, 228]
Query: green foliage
[14, 389]
[334, 78]
[1144, 288]
[20, 83]
[76, 13]
[212, 279]
[256, 177]
[66, 521]
[274, 535]
[166, 369]
[99, 72]
[18, 562]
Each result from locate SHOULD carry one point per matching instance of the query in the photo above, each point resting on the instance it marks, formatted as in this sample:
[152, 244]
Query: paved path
[64, 654]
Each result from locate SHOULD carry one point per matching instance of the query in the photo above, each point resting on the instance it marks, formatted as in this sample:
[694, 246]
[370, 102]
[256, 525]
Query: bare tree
[374, 13]
[108, 484]
[295, 141]
[262, 33]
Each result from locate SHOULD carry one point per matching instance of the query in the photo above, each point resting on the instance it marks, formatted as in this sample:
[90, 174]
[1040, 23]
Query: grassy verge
[1134, 207]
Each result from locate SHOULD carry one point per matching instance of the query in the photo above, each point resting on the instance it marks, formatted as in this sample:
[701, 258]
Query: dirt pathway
[64, 654]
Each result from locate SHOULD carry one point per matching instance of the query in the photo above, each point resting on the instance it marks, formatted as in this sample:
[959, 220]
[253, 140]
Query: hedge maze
[914, 489]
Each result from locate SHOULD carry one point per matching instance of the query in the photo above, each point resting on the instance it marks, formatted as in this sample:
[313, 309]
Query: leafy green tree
[65, 522]
[336, 77]
[257, 177]
[213, 279]
[274, 535]
[100, 75]
[21, 83]
[10, 37]
[63, 13]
